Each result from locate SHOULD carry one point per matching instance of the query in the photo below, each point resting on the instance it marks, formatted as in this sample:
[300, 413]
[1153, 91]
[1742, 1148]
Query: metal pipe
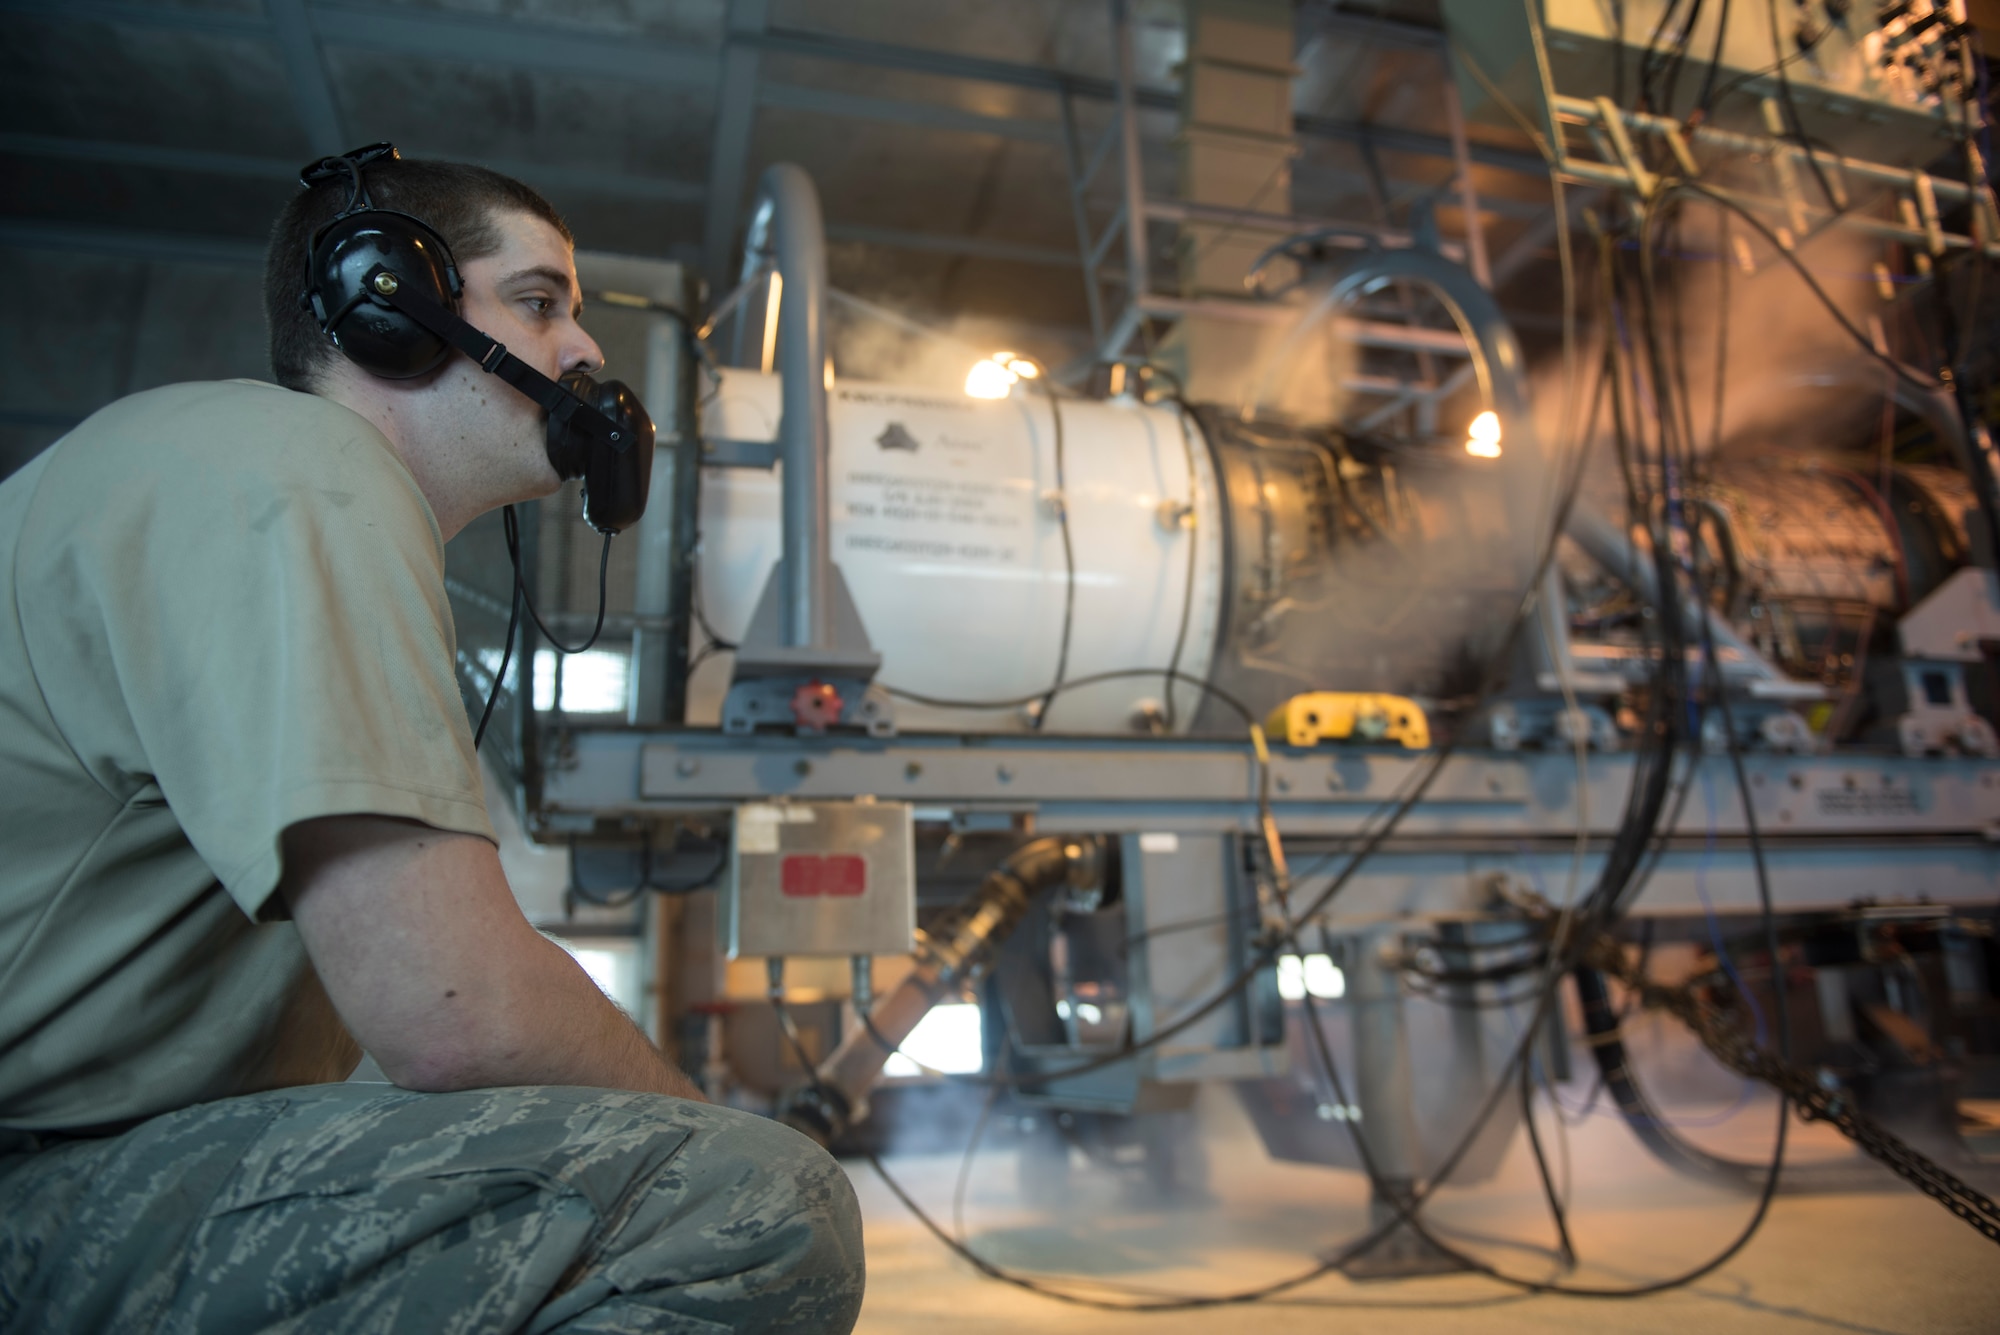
[1468, 194]
[659, 657]
[1079, 182]
[956, 954]
[1138, 270]
[1584, 111]
[1384, 1083]
[1612, 549]
[787, 231]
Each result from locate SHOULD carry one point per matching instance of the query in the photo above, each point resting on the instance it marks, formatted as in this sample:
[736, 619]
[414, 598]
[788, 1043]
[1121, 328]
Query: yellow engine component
[1319, 716]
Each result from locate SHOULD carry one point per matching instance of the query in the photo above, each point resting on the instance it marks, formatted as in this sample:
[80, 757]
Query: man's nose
[581, 353]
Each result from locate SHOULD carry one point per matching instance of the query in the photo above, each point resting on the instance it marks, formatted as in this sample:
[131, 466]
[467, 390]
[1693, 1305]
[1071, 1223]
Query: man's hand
[437, 974]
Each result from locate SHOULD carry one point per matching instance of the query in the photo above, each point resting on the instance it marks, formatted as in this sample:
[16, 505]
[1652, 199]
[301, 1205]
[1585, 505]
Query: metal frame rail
[1836, 827]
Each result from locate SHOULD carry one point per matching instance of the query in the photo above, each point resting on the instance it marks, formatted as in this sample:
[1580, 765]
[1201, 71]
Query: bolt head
[386, 283]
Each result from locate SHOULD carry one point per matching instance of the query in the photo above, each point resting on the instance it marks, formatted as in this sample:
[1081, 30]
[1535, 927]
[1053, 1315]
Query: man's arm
[430, 963]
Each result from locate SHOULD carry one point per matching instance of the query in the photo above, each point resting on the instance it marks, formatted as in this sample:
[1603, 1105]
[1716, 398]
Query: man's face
[525, 294]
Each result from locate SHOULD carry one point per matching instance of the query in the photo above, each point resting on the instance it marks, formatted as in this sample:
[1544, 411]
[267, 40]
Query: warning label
[906, 499]
[934, 488]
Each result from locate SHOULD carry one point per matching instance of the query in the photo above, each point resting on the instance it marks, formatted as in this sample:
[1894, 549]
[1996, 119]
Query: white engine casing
[947, 525]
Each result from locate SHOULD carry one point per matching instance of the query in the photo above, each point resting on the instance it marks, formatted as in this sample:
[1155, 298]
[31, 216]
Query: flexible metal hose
[954, 954]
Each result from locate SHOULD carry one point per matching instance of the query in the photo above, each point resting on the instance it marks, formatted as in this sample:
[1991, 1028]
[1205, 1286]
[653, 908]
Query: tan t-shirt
[222, 611]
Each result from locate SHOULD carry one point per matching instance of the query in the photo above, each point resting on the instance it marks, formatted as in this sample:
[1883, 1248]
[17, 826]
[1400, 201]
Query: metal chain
[1727, 1041]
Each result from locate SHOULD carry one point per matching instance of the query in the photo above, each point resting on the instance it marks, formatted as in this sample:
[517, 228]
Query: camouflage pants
[359, 1207]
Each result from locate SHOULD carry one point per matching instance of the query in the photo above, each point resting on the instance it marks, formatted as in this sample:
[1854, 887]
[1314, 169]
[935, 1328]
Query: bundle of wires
[1644, 375]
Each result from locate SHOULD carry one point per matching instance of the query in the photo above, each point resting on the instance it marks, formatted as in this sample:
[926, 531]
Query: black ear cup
[353, 310]
[615, 482]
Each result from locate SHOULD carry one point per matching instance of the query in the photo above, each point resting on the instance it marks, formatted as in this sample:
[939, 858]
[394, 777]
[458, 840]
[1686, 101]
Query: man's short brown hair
[457, 200]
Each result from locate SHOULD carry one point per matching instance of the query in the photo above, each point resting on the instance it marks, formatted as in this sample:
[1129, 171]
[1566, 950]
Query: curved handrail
[788, 233]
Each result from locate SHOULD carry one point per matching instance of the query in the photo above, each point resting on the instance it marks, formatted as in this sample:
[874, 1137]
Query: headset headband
[350, 165]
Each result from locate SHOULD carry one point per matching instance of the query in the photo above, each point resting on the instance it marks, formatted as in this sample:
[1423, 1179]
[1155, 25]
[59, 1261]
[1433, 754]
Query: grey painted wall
[88, 329]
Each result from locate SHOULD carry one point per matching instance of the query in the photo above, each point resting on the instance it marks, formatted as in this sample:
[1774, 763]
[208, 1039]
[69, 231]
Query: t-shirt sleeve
[281, 640]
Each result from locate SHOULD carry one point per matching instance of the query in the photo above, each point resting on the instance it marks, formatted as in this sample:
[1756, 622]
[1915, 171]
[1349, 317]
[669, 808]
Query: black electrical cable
[1665, 67]
[1191, 520]
[1649, 57]
[1653, 1130]
[941, 702]
[972, 1145]
[510, 526]
[1751, 76]
[1791, 110]
[1705, 97]
[1976, 184]
[1781, 1004]
[1653, 761]
[715, 641]
[1408, 1213]
[1557, 1212]
[1069, 564]
[500, 676]
[513, 531]
[1554, 975]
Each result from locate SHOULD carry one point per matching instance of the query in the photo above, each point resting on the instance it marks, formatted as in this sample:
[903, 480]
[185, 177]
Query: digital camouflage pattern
[367, 1208]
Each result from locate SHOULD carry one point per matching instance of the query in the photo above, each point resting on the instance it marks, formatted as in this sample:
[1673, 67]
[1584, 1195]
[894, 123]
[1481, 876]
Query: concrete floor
[1874, 1257]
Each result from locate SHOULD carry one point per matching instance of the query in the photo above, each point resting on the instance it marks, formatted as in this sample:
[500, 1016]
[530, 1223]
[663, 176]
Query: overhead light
[1482, 438]
[989, 380]
[996, 376]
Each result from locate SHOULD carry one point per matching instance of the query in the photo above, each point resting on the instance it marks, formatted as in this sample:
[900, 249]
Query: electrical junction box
[1863, 86]
[821, 878]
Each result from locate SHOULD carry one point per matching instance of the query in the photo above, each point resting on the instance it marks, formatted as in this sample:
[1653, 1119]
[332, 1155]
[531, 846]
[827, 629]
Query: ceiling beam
[973, 247]
[35, 234]
[476, 40]
[883, 55]
[510, 44]
[1327, 16]
[1528, 246]
[185, 248]
[566, 177]
[735, 119]
[599, 181]
[127, 14]
[305, 73]
[33, 418]
[930, 115]
[205, 161]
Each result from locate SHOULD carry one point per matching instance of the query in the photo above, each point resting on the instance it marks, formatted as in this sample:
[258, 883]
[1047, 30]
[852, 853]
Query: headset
[384, 289]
